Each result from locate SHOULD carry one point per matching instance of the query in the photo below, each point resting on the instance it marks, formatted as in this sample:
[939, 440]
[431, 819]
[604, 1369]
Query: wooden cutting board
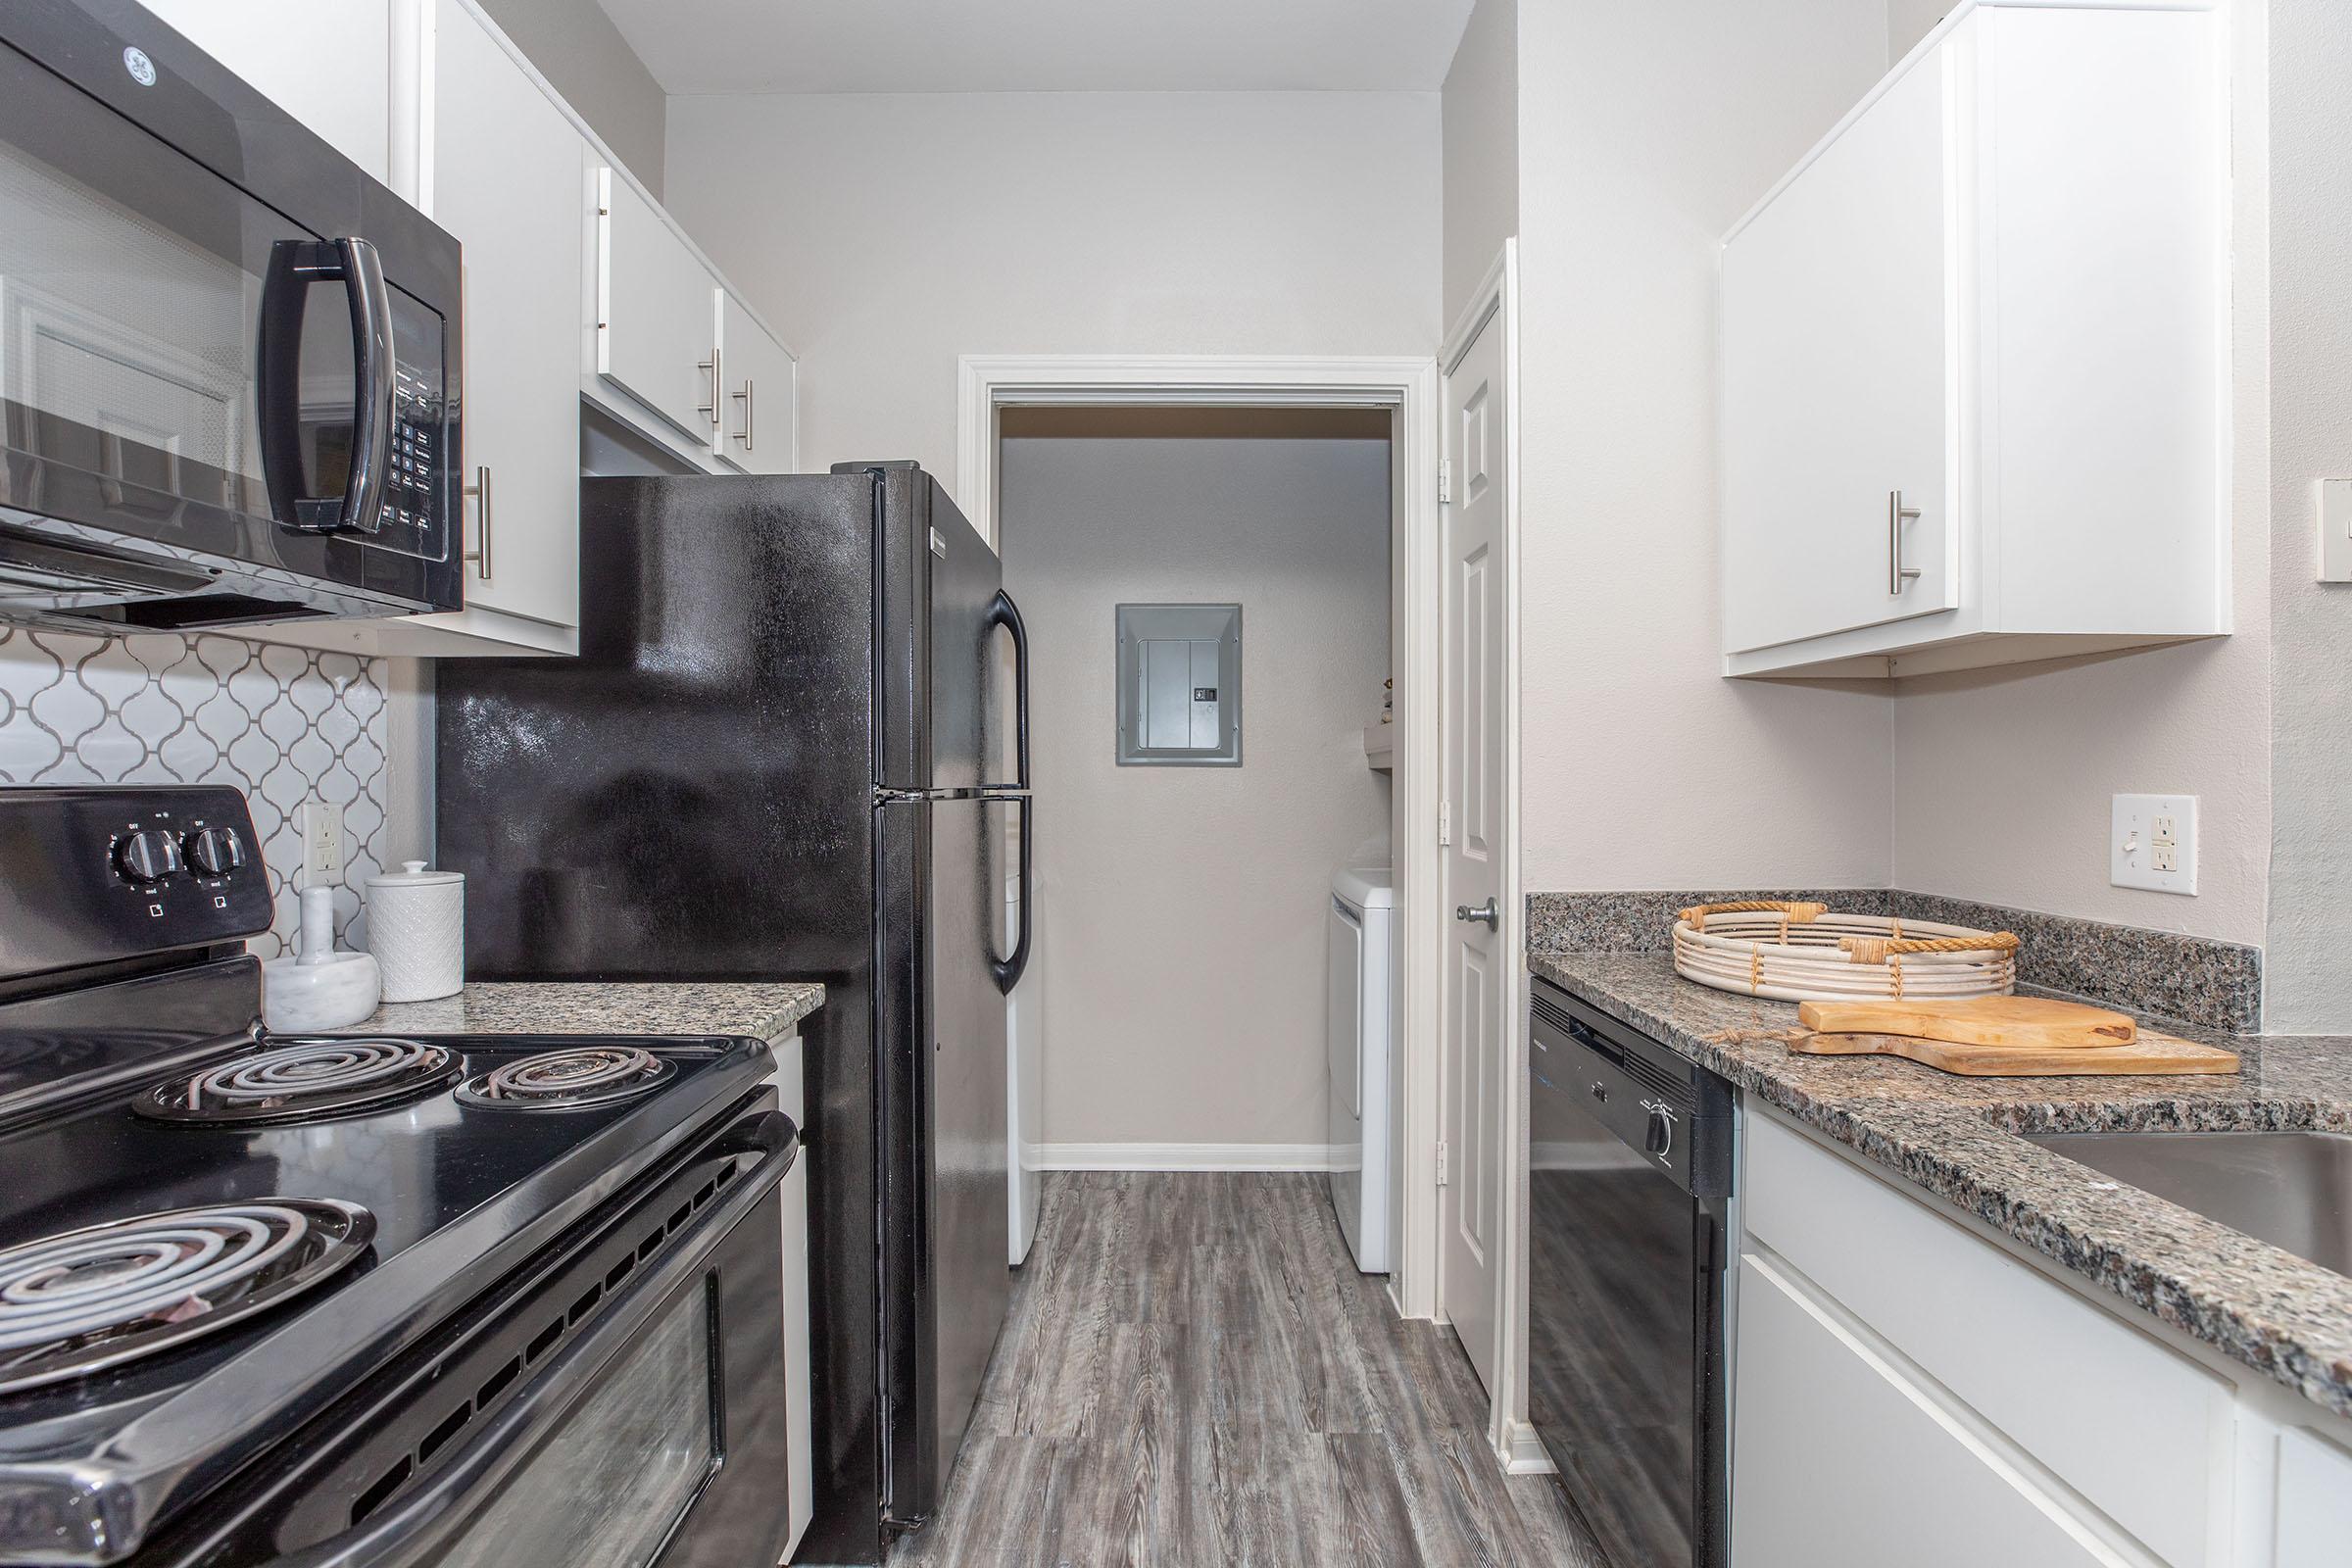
[2149, 1053]
[2036, 1021]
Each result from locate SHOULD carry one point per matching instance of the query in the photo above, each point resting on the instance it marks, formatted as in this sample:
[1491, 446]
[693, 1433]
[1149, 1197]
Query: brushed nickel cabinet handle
[1897, 515]
[744, 397]
[709, 410]
[480, 554]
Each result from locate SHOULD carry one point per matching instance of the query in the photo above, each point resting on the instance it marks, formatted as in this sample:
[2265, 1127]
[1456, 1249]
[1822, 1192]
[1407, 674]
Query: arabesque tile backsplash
[283, 725]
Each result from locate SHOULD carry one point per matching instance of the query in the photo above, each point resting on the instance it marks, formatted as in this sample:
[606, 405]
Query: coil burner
[84, 1300]
[305, 1080]
[566, 1080]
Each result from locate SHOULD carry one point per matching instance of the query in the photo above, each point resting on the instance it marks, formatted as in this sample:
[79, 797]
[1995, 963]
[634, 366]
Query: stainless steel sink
[2293, 1190]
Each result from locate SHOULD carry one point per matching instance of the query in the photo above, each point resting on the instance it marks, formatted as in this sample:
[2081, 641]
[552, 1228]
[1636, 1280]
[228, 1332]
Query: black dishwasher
[1631, 1167]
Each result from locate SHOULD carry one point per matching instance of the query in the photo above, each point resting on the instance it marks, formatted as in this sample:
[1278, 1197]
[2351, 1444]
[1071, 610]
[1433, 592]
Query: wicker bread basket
[1804, 952]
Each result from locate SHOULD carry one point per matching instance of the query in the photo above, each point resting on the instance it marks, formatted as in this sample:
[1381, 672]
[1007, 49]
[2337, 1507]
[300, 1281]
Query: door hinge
[1441, 1164]
[1445, 481]
[1444, 823]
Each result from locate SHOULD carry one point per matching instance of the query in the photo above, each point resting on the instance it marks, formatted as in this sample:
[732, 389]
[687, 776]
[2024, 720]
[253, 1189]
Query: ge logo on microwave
[141, 68]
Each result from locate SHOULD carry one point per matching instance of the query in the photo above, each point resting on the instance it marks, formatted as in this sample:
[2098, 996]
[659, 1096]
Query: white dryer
[1360, 1027]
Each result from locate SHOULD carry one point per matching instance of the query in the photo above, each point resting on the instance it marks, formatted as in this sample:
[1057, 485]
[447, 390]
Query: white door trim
[1497, 296]
[988, 382]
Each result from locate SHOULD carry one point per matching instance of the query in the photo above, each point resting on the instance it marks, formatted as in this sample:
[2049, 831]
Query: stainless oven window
[611, 1485]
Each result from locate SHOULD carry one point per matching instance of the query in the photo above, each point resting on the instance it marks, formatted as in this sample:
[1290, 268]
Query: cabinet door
[1837, 338]
[1839, 1461]
[328, 63]
[516, 211]
[2315, 1502]
[757, 415]
[657, 313]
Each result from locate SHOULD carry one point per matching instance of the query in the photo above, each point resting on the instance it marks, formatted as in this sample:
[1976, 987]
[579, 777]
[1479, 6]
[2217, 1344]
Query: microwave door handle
[413, 1529]
[294, 265]
[376, 371]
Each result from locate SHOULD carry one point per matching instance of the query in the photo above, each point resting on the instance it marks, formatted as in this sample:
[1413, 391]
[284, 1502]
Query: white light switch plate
[2336, 530]
[321, 841]
[2152, 842]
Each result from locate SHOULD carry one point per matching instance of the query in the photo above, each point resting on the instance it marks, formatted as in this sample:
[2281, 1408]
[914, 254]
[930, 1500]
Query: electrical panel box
[1180, 685]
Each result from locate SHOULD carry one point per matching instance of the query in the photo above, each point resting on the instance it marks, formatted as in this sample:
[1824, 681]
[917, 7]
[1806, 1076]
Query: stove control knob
[147, 856]
[215, 851]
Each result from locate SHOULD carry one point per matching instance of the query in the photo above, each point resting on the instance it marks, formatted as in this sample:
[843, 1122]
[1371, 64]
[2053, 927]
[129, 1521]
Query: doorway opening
[1060, 408]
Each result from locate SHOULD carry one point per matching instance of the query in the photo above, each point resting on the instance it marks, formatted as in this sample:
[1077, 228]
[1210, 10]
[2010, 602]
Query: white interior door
[1475, 1029]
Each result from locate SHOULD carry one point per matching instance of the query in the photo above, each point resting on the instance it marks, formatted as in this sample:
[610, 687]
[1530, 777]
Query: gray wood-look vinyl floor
[1194, 1374]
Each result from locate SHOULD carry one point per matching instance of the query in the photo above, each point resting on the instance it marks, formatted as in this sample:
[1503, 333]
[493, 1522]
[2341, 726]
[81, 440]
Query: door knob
[1485, 913]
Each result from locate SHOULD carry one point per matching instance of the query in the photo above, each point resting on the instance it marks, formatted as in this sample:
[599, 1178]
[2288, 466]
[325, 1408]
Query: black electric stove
[334, 1299]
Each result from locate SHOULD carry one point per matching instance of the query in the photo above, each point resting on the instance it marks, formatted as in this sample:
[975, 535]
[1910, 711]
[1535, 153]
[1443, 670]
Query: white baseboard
[1523, 1453]
[1187, 1156]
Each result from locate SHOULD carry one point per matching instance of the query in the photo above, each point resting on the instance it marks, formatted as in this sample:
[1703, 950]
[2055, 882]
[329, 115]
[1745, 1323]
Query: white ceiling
[747, 46]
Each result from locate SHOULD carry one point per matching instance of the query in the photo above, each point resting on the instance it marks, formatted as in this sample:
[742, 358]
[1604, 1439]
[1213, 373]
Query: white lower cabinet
[1844, 1462]
[1906, 1389]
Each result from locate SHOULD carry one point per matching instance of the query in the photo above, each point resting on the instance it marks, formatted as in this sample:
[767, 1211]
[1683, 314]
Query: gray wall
[576, 47]
[1184, 906]
[1060, 222]
[1478, 195]
[2309, 981]
[1909, 21]
[1646, 130]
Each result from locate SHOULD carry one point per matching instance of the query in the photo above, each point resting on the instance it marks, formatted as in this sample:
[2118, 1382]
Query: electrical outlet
[2152, 842]
[321, 841]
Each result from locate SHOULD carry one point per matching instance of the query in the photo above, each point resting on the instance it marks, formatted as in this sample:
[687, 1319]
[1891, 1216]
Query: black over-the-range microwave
[228, 355]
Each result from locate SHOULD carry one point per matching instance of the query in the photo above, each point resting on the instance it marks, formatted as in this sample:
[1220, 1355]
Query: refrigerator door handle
[1007, 971]
[1006, 614]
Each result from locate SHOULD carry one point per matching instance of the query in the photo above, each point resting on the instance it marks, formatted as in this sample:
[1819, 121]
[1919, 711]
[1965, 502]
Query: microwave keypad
[408, 520]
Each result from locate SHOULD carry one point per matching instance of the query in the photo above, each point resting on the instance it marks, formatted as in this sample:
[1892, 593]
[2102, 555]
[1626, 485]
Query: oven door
[221, 396]
[653, 1436]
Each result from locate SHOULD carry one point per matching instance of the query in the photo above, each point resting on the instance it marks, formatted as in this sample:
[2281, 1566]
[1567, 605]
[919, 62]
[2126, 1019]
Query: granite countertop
[1953, 1137]
[763, 1010]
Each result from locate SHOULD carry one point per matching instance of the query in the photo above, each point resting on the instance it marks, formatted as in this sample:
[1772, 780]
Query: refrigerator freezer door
[945, 1229]
[937, 592]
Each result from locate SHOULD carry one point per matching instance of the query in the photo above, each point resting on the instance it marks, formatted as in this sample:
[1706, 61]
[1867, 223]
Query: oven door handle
[415, 1531]
[294, 265]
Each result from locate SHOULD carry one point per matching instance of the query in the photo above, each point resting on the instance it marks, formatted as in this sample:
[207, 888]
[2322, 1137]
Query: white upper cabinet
[1973, 398]
[755, 416]
[1835, 350]
[657, 320]
[518, 217]
[328, 63]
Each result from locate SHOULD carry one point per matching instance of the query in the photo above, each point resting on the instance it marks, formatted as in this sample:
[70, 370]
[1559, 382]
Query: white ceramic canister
[416, 930]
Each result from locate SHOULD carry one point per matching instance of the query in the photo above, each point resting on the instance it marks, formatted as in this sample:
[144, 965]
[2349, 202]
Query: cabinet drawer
[1839, 1462]
[2139, 1431]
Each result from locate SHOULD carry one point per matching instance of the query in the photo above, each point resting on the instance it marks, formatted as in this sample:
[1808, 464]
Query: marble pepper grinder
[323, 989]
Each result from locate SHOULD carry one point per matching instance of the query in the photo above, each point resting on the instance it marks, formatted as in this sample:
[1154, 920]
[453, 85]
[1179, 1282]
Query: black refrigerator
[784, 753]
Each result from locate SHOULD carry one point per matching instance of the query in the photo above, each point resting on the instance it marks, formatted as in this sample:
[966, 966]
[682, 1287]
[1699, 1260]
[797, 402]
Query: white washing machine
[1360, 1026]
